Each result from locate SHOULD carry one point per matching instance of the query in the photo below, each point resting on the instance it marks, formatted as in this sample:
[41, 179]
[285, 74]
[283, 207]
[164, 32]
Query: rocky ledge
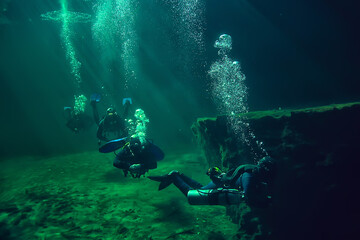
[315, 193]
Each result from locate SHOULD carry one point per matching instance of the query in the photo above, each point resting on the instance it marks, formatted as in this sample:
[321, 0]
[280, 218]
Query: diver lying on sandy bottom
[247, 183]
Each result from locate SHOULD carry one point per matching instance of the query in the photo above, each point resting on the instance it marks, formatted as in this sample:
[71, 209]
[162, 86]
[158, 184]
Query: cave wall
[315, 193]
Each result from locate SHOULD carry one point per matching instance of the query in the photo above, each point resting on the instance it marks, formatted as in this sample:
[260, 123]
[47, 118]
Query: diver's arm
[241, 169]
[126, 109]
[95, 113]
[249, 168]
[121, 164]
[143, 167]
[100, 131]
[122, 130]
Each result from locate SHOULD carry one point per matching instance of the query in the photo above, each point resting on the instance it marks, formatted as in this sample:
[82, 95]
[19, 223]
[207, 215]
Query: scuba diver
[77, 122]
[134, 157]
[247, 183]
[112, 125]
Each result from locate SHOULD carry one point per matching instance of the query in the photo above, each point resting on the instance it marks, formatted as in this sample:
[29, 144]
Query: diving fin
[127, 100]
[95, 97]
[165, 180]
[113, 145]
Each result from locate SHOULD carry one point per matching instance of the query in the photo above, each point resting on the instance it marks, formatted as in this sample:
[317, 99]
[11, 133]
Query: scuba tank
[219, 196]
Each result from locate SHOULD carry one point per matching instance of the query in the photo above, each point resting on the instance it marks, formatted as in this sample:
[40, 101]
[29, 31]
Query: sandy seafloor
[83, 196]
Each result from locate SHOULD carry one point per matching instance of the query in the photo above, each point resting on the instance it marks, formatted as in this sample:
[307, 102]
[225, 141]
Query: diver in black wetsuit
[77, 122]
[112, 123]
[138, 158]
[247, 183]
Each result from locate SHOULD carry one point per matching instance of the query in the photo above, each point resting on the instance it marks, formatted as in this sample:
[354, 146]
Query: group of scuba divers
[249, 183]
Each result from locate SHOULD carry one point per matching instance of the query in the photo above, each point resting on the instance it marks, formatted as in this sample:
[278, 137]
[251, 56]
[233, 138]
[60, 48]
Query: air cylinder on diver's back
[218, 196]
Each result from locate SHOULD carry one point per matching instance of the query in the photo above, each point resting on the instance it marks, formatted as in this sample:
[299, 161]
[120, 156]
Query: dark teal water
[292, 53]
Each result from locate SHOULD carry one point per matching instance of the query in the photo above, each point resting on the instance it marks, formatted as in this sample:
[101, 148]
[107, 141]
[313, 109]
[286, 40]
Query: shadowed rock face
[315, 193]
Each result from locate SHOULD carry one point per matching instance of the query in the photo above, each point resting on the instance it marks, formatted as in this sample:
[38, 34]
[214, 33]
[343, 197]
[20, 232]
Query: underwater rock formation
[315, 191]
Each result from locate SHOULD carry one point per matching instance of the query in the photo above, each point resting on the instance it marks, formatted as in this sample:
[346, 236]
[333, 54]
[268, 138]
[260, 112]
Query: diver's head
[266, 168]
[214, 173]
[110, 111]
[135, 145]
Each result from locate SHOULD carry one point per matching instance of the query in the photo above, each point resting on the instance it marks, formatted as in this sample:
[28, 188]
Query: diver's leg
[210, 185]
[121, 164]
[191, 182]
[181, 184]
[173, 177]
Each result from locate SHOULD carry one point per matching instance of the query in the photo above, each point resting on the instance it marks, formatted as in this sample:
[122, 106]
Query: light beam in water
[67, 17]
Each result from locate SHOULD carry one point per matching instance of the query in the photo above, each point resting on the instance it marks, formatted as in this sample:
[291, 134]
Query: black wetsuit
[135, 153]
[111, 124]
[79, 122]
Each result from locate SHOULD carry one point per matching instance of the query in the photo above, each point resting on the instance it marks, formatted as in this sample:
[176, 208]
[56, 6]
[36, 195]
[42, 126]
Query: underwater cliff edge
[316, 149]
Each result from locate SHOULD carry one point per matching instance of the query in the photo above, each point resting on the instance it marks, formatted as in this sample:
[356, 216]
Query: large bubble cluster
[114, 31]
[138, 128]
[228, 83]
[224, 43]
[80, 104]
[230, 95]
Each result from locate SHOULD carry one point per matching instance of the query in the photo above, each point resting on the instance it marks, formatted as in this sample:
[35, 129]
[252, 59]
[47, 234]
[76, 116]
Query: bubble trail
[230, 94]
[138, 128]
[67, 17]
[114, 32]
[190, 23]
[80, 104]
